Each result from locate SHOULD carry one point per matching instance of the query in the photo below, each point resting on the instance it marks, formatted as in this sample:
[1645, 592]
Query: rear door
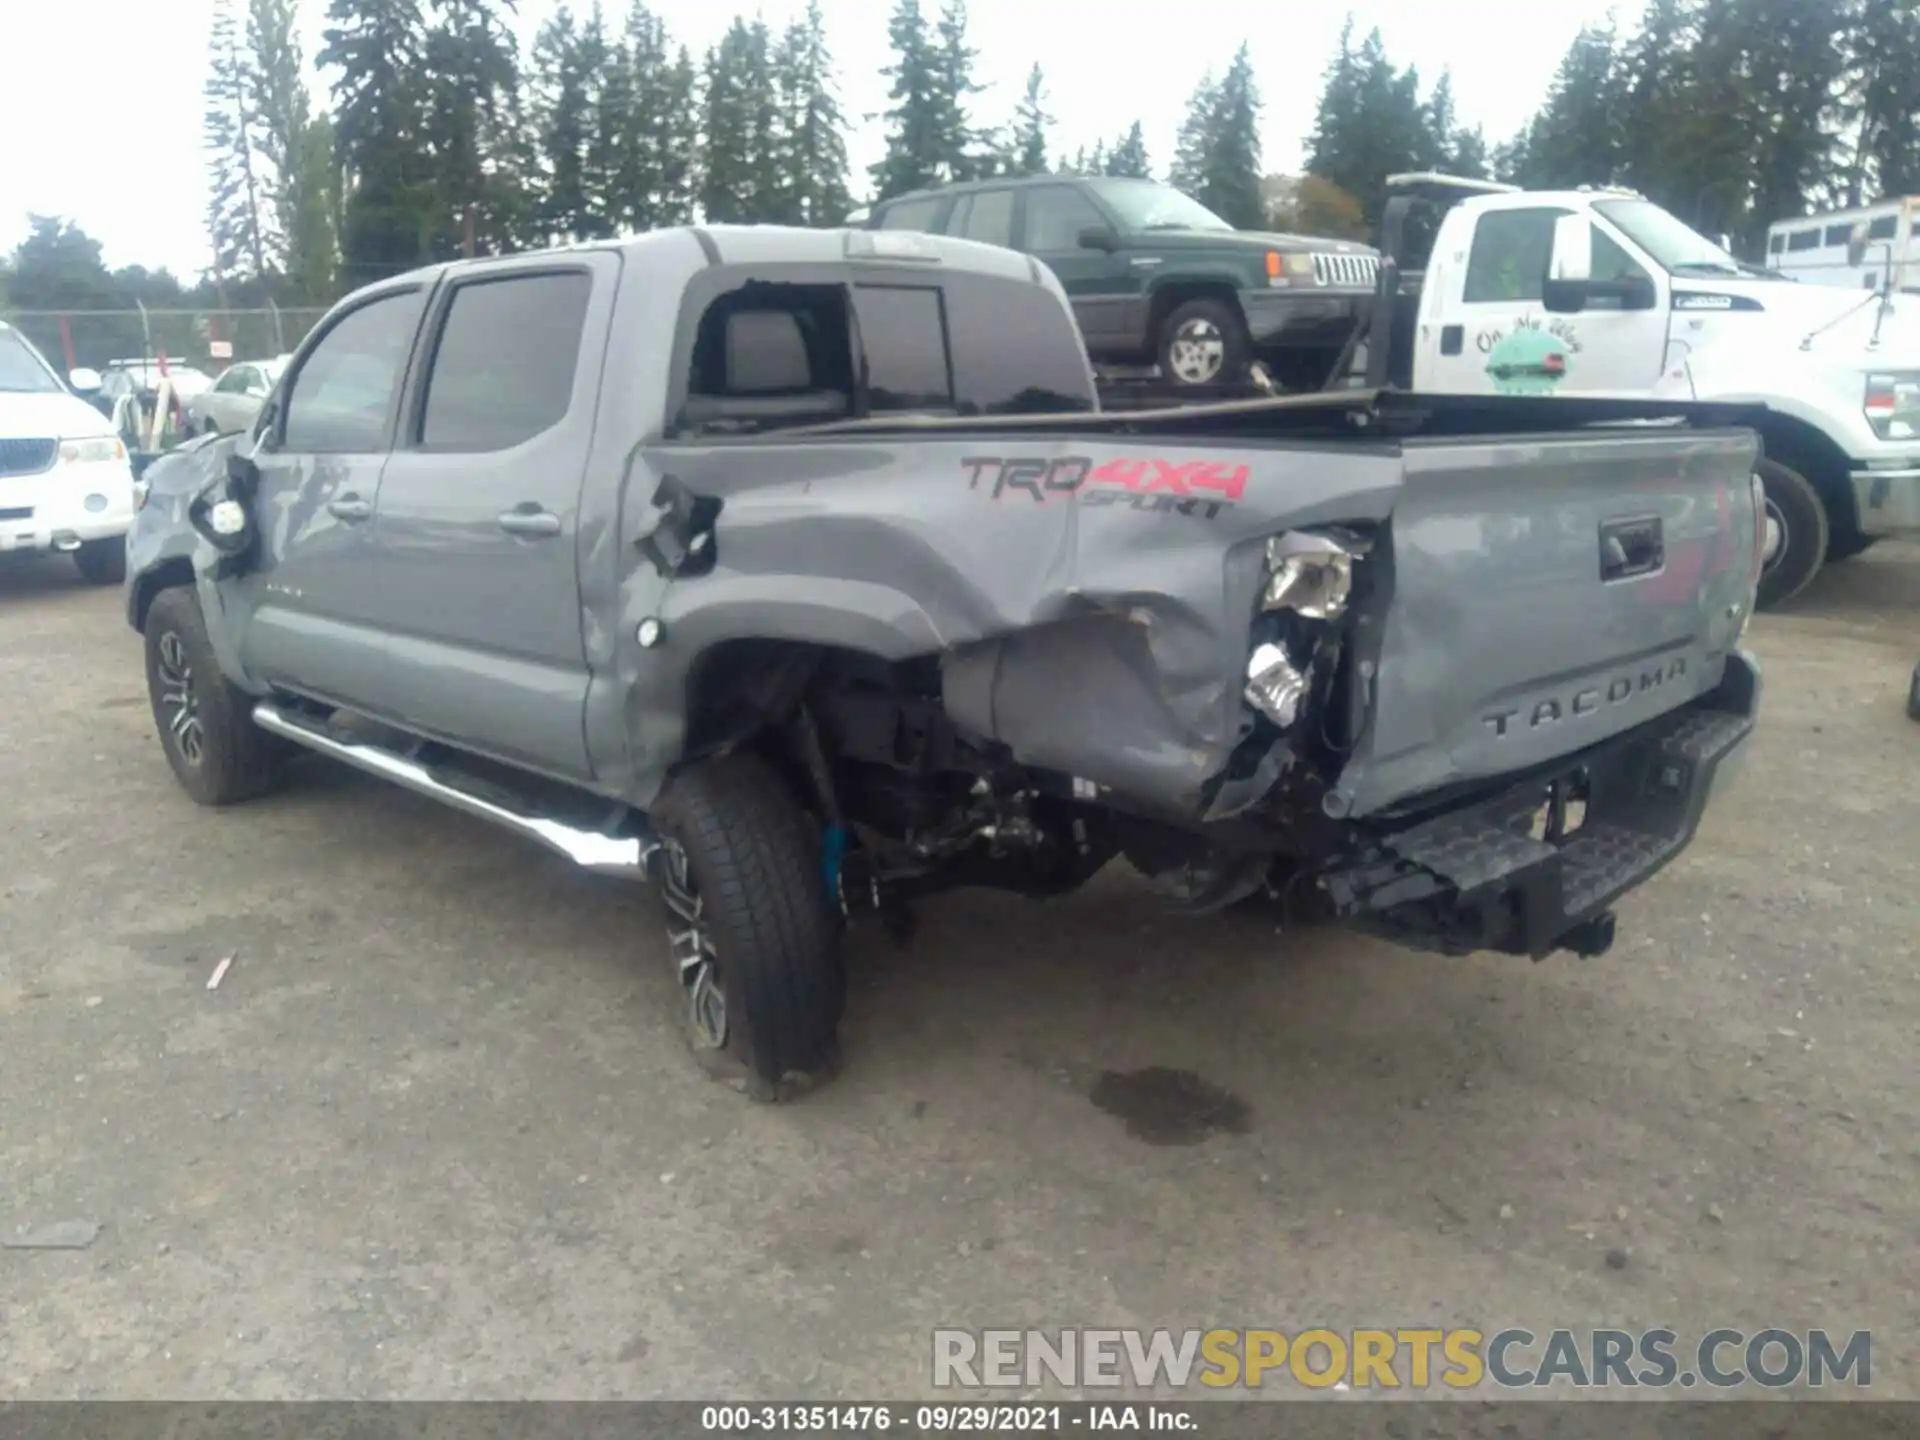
[478, 519]
[310, 616]
[1109, 298]
[1493, 336]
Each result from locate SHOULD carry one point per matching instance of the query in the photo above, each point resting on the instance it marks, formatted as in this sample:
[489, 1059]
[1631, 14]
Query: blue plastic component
[833, 847]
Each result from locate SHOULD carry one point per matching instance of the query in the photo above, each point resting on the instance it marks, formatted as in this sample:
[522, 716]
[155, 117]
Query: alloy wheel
[1197, 352]
[180, 708]
[690, 938]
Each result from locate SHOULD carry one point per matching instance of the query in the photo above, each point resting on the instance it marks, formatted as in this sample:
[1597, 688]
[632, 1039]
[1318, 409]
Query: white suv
[65, 483]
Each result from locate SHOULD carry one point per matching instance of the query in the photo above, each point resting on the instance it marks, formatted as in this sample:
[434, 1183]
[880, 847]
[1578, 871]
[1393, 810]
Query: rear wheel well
[167, 575]
[1797, 444]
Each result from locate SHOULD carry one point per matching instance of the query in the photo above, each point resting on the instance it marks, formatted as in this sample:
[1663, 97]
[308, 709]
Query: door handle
[529, 519]
[350, 507]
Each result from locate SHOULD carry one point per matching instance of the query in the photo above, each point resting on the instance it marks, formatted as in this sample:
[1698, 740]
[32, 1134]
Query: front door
[477, 528]
[1108, 294]
[310, 615]
[1493, 336]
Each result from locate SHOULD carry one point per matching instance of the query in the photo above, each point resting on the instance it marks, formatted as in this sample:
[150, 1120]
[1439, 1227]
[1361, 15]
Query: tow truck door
[1483, 329]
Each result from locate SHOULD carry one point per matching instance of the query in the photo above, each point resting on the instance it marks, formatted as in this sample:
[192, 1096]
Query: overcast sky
[109, 136]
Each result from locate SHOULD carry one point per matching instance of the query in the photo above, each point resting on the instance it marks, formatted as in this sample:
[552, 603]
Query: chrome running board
[590, 850]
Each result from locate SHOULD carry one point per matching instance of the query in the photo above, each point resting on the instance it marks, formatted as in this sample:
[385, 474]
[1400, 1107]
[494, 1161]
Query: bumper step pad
[1479, 879]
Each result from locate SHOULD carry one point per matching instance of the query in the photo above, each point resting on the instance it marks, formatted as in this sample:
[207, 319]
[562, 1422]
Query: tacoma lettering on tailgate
[1554, 709]
[1201, 488]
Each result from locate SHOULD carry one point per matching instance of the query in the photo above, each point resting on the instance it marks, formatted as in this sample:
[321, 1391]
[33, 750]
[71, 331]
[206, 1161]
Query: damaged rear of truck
[873, 601]
[1396, 663]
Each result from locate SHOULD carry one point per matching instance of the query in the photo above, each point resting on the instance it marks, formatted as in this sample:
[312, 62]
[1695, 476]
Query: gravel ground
[433, 1134]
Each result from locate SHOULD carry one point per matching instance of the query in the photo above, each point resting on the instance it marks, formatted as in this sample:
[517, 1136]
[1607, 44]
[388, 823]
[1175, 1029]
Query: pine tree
[282, 108]
[1129, 157]
[1030, 127]
[1230, 169]
[1796, 61]
[237, 205]
[739, 183]
[1369, 124]
[565, 69]
[472, 118]
[1576, 138]
[961, 156]
[916, 149]
[375, 46]
[1196, 130]
[812, 141]
[1885, 108]
[1656, 69]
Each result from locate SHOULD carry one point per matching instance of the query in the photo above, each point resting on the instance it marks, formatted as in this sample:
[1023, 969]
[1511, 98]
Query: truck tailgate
[1544, 594]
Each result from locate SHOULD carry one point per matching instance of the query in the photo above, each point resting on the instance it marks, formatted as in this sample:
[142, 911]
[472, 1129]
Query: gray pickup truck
[800, 573]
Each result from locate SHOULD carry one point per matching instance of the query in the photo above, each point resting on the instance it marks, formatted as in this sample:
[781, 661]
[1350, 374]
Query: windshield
[1144, 205]
[1673, 245]
[21, 370]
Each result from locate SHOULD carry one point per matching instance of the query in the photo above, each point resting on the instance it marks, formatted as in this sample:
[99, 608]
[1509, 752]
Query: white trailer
[1815, 249]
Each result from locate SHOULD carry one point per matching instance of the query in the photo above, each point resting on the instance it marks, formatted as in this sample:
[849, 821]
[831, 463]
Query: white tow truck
[1602, 292]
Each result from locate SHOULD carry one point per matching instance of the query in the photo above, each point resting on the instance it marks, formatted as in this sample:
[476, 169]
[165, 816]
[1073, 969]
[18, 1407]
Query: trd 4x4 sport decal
[1200, 488]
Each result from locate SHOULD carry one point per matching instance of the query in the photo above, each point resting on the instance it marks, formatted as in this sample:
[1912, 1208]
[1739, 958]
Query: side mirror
[1857, 245]
[84, 380]
[1098, 237]
[1572, 249]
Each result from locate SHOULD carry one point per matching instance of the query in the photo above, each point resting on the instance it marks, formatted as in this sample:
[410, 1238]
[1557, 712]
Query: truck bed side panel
[1121, 575]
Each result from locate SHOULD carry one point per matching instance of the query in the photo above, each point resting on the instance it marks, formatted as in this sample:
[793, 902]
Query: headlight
[88, 452]
[1892, 404]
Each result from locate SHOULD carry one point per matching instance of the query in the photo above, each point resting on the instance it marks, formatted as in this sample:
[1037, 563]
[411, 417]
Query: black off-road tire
[102, 562]
[752, 854]
[1913, 695]
[1220, 319]
[1795, 505]
[228, 758]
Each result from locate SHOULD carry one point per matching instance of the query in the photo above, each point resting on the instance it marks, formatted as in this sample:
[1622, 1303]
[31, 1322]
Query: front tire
[1797, 534]
[1203, 342]
[218, 754]
[102, 562]
[753, 936]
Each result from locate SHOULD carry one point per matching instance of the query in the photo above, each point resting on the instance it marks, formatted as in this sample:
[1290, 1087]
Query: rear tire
[1794, 509]
[753, 936]
[102, 562]
[218, 754]
[1203, 342]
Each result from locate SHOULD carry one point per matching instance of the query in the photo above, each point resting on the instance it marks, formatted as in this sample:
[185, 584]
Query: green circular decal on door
[1530, 361]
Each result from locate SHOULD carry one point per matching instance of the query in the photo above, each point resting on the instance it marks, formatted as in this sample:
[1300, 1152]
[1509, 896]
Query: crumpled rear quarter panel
[1090, 597]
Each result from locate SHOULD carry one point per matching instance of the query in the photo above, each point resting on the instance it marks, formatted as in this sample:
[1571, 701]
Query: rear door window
[504, 365]
[988, 218]
[911, 215]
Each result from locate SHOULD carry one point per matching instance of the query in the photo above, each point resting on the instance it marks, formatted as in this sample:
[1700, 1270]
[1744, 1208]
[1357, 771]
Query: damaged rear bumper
[1486, 875]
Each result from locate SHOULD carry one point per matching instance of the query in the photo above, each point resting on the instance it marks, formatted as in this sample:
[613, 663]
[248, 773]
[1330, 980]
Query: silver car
[232, 402]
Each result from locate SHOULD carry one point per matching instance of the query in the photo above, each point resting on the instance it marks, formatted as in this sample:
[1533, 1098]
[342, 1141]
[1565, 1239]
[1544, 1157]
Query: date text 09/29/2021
[943, 1419]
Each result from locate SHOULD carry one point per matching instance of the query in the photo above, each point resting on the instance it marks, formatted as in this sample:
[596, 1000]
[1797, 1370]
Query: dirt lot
[433, 1134]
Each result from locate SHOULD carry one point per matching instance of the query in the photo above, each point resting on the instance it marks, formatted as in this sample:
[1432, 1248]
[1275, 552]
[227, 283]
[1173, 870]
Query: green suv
[1157, 278]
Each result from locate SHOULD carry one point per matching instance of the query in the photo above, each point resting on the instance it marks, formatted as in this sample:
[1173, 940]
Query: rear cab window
[848, 342]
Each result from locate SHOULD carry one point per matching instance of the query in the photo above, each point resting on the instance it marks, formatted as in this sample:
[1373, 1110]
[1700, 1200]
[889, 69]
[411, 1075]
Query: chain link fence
[207, 340]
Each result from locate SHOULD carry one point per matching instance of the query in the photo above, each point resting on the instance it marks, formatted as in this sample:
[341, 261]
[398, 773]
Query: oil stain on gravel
[1169, 1107]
